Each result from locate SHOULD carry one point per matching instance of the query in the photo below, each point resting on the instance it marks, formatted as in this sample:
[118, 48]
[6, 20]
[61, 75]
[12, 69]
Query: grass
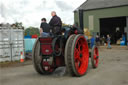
[14, 63]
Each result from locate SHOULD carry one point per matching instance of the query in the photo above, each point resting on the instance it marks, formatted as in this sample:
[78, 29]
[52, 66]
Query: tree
[32, 31]
[17, 25]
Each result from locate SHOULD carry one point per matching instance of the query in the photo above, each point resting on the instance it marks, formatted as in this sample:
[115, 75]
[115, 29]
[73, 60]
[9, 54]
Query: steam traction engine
[69, 49]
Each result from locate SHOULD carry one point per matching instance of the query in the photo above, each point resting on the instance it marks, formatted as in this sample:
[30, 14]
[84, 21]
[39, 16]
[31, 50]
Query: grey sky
[31, 11]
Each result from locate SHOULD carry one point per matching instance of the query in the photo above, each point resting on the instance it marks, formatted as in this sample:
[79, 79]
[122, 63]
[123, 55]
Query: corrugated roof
[96, 4]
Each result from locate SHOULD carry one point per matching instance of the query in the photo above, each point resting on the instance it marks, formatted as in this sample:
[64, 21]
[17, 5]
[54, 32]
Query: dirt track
[112, 70]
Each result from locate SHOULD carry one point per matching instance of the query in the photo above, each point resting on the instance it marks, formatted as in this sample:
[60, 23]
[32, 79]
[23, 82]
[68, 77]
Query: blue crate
[29, 43]
[27, 37]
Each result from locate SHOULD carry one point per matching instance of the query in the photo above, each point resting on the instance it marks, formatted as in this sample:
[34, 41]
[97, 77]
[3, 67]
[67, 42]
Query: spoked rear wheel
[77, 55]
[94, 57]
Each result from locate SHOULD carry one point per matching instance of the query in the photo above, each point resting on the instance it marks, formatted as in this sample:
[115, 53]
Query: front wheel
[94, 56]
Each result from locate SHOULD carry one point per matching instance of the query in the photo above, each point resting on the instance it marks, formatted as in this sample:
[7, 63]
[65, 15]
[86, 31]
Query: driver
[55, 23]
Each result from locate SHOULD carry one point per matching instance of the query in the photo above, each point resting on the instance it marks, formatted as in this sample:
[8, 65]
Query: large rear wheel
[77, 55]
[36, 58]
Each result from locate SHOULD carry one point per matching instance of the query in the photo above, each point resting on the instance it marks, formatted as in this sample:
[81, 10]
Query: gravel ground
[112, 70]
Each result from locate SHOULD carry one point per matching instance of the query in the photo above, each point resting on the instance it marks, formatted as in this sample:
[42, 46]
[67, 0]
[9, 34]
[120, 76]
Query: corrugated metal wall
[11, 43]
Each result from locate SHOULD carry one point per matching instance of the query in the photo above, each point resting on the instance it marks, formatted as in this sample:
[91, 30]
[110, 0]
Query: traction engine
[69, 49]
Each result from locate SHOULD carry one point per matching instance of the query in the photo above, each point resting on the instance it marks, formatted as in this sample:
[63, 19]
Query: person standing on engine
[55, 23]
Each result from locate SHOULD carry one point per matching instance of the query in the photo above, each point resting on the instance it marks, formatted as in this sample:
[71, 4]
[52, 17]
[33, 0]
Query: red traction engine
[69, 49]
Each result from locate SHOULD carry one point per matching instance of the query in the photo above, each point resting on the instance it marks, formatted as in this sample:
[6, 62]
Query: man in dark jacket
[44, 28]
[55, 23]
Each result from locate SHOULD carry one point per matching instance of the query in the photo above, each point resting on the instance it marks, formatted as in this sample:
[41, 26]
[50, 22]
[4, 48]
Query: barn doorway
[113, 26]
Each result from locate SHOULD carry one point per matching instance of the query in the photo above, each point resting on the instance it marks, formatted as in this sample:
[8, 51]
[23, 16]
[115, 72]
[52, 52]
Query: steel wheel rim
[81, 55]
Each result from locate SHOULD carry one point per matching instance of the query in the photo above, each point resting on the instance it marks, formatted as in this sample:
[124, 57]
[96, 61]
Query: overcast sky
[31, 11]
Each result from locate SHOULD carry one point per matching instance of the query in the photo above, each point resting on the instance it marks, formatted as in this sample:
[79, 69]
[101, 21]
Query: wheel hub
[97, 57]
[81, 55]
